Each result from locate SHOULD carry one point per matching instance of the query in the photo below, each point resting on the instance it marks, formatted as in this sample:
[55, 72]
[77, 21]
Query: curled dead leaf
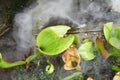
[117, 76]
[71, 59]
[90, 78]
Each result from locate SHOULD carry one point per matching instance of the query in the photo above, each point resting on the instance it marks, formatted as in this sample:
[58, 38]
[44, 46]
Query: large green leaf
[51, 41]
[85, 51]
[107, 30]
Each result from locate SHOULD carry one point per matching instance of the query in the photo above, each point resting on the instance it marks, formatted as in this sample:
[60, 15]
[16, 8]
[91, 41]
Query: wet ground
[97, 68]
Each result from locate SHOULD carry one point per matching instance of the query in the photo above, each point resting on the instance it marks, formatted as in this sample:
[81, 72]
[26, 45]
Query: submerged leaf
[85, 50]
[117, 76]
[100, 46]
[71, 59]
[50, 41]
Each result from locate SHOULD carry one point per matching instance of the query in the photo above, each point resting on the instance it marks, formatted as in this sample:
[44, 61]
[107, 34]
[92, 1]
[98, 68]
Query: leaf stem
[30, 58]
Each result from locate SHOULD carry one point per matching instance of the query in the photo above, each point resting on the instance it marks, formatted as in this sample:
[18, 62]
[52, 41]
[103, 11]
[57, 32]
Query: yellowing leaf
[60, 30]
[100, 46]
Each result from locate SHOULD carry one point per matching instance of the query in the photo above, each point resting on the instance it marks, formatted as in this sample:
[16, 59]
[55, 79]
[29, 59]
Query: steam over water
[91, 14]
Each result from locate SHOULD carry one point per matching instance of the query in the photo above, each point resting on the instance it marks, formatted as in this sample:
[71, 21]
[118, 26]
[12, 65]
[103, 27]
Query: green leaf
[4, 64]
[85, 51]
[115, 42]
[71, 76]
[115, 38]
[51, 41]
[115, 52]
[112, 35]
[115, 68]
[76, 40]
[49, 68]
[107, 30]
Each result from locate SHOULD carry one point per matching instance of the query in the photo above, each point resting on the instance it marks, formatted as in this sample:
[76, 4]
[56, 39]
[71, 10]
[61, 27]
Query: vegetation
[54, 41]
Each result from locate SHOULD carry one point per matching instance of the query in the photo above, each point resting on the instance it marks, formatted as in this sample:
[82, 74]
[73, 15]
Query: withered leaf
[71, 59]
[100, 46]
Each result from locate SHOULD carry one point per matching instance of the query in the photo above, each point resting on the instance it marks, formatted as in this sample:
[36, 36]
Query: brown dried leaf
[117, 76]
[71, 59]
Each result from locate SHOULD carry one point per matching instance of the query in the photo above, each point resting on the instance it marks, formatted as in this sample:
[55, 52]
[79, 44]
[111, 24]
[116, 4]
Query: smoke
[23, 30]
[116, 6]
[76, 13]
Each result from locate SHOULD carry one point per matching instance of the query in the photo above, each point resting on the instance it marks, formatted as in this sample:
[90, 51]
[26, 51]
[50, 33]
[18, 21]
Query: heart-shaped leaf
[52, 40]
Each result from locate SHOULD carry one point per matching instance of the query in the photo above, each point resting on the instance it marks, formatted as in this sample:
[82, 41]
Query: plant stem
[77, 32]
[30, 58]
